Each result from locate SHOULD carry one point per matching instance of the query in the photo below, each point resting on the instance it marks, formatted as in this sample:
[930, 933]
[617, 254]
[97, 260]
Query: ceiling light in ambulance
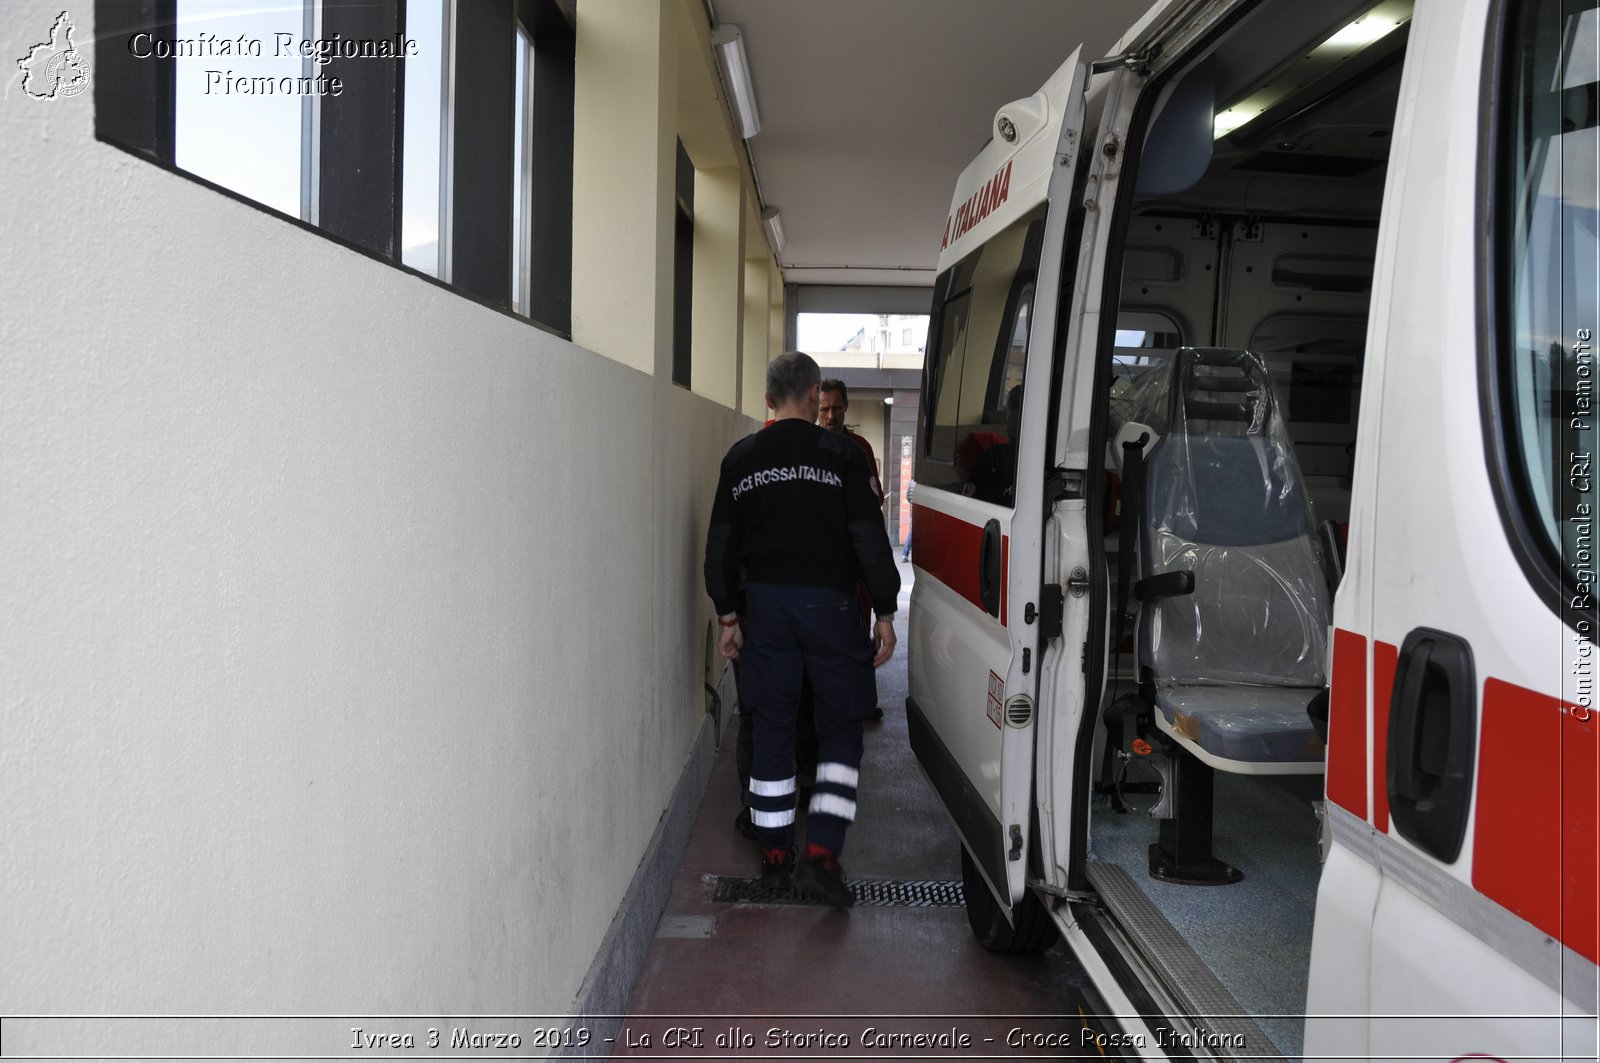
[1371, 26]
[1234, 117]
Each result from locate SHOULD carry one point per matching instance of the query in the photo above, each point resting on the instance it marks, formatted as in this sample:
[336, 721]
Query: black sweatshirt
[795, 506]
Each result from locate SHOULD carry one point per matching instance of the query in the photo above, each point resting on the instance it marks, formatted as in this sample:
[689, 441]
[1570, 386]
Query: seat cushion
[1251, 724]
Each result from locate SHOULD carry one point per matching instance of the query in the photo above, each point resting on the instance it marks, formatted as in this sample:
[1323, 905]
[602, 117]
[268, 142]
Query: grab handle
[990, 577]
[1433, 724]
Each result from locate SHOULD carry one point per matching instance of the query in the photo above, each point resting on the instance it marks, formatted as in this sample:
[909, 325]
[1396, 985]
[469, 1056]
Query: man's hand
[883, 641]
[730, 641]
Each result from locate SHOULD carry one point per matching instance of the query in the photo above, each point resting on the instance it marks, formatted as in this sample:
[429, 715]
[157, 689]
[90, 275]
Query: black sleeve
[722, 549]
[870, 538]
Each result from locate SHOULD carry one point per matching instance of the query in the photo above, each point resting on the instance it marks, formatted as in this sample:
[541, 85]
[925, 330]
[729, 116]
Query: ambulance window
[1144, 338]
[1016, 359]
[1548, 279]
[977, 365]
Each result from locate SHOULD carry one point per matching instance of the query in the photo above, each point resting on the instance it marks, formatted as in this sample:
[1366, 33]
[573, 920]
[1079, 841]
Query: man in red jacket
[832, 406]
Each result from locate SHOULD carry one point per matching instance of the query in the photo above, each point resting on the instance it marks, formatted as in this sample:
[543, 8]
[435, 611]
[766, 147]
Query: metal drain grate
[869, 893]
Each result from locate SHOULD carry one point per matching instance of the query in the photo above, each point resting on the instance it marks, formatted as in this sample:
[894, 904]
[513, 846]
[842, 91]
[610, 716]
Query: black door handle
[989, 574]
[1433, 727]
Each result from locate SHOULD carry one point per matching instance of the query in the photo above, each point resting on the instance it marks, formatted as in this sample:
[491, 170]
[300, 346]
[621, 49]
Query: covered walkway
[781, 977]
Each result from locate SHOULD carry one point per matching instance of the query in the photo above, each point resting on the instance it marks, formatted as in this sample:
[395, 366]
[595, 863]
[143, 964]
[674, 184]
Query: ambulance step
[1203, 999]
[869, 893]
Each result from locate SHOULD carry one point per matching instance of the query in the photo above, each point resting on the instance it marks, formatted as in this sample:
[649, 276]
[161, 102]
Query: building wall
[353, 638]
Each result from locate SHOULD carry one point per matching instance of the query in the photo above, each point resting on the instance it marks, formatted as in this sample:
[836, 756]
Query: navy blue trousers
[791, 633]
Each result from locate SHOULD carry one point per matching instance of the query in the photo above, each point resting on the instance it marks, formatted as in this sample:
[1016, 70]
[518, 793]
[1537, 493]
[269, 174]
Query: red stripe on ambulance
[947, 548]
[1534, 840]
[1347, 723]
[1385, 659]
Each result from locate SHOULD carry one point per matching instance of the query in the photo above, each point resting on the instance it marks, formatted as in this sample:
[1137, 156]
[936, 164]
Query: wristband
[729, 623]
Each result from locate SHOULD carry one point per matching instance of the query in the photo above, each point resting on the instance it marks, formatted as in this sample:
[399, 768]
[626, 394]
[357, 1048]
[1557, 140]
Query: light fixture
[1362, 32]
[729, 45]
[1371, 26]
[774, 228]
[888, 400]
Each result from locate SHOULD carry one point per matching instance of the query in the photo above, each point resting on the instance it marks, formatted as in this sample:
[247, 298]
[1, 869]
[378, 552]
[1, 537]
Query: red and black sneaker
[777, 865]
[820, 876]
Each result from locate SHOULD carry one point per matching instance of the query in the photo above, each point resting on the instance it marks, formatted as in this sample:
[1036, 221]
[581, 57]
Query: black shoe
[777, 866]
[742, 824]
[822, 877]
[877, 714]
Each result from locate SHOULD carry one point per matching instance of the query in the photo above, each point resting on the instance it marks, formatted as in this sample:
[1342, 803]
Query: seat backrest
[1224, 499]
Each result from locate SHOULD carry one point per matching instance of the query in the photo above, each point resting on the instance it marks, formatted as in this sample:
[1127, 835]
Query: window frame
[1539, 557]
[135, 112]
[961, 277]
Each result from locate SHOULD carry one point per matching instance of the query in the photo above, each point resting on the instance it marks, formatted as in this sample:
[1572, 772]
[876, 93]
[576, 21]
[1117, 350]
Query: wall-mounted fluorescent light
[774, 228]
[729, 45]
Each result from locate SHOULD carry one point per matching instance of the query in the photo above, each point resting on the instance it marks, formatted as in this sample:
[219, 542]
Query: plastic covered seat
[1233, 663]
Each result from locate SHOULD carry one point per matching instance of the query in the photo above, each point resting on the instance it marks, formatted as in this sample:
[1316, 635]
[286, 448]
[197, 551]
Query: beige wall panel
[718, 284]
[624, 162]
[354, 634]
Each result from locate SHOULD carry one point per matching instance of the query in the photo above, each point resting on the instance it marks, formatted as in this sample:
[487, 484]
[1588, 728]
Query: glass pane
[239, 116]
[521, 178]
[424, 127]
[976, 381]
[1553, 252]
[822, 335]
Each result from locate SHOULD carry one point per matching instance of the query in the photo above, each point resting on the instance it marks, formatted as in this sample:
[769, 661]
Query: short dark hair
[833, 383]
[790, 376]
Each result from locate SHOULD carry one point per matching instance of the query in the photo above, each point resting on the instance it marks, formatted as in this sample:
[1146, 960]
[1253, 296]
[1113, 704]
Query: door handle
[1433, 727]
[989, 574]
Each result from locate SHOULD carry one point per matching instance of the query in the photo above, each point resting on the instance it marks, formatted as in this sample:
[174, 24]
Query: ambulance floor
[1255, 935]
[759, 978]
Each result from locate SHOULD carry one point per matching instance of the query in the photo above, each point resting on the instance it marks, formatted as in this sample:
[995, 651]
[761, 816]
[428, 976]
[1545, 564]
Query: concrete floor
[787, 980]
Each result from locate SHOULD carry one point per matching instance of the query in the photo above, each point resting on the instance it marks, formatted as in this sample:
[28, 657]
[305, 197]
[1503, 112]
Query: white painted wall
[351, 633]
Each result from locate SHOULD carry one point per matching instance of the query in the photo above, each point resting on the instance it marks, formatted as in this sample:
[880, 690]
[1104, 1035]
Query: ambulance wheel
[1033, 930]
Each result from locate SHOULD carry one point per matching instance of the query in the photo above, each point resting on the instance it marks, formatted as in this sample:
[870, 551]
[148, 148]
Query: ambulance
[1252, 643]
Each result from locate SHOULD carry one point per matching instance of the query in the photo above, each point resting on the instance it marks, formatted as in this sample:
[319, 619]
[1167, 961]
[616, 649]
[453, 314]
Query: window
[427, 97]
[822, 334]
[227, 131]
[1549, 250]
[683, 274]
[521, 172]
[1144, 338]
[979, 335]
[430, 134]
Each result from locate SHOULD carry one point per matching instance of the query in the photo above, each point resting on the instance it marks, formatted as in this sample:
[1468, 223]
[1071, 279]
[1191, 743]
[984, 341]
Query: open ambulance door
[976, 606]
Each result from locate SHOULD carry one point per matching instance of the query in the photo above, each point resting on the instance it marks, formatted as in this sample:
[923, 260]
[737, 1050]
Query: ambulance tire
[1033, 930]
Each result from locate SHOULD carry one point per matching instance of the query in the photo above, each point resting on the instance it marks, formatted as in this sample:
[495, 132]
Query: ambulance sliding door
[1457, 910]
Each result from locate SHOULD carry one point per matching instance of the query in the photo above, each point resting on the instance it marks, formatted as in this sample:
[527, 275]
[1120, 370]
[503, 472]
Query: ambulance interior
[1253, 228]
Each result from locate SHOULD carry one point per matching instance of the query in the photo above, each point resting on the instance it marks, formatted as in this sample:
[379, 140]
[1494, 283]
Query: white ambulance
[1252, 640]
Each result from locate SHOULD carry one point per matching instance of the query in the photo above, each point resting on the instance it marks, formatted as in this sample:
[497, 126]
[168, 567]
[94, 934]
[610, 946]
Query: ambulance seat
[1234, 662]
[1233, 626]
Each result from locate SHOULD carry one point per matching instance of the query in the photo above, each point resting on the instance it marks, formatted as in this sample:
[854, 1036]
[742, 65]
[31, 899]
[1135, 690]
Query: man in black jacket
[795, 511]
